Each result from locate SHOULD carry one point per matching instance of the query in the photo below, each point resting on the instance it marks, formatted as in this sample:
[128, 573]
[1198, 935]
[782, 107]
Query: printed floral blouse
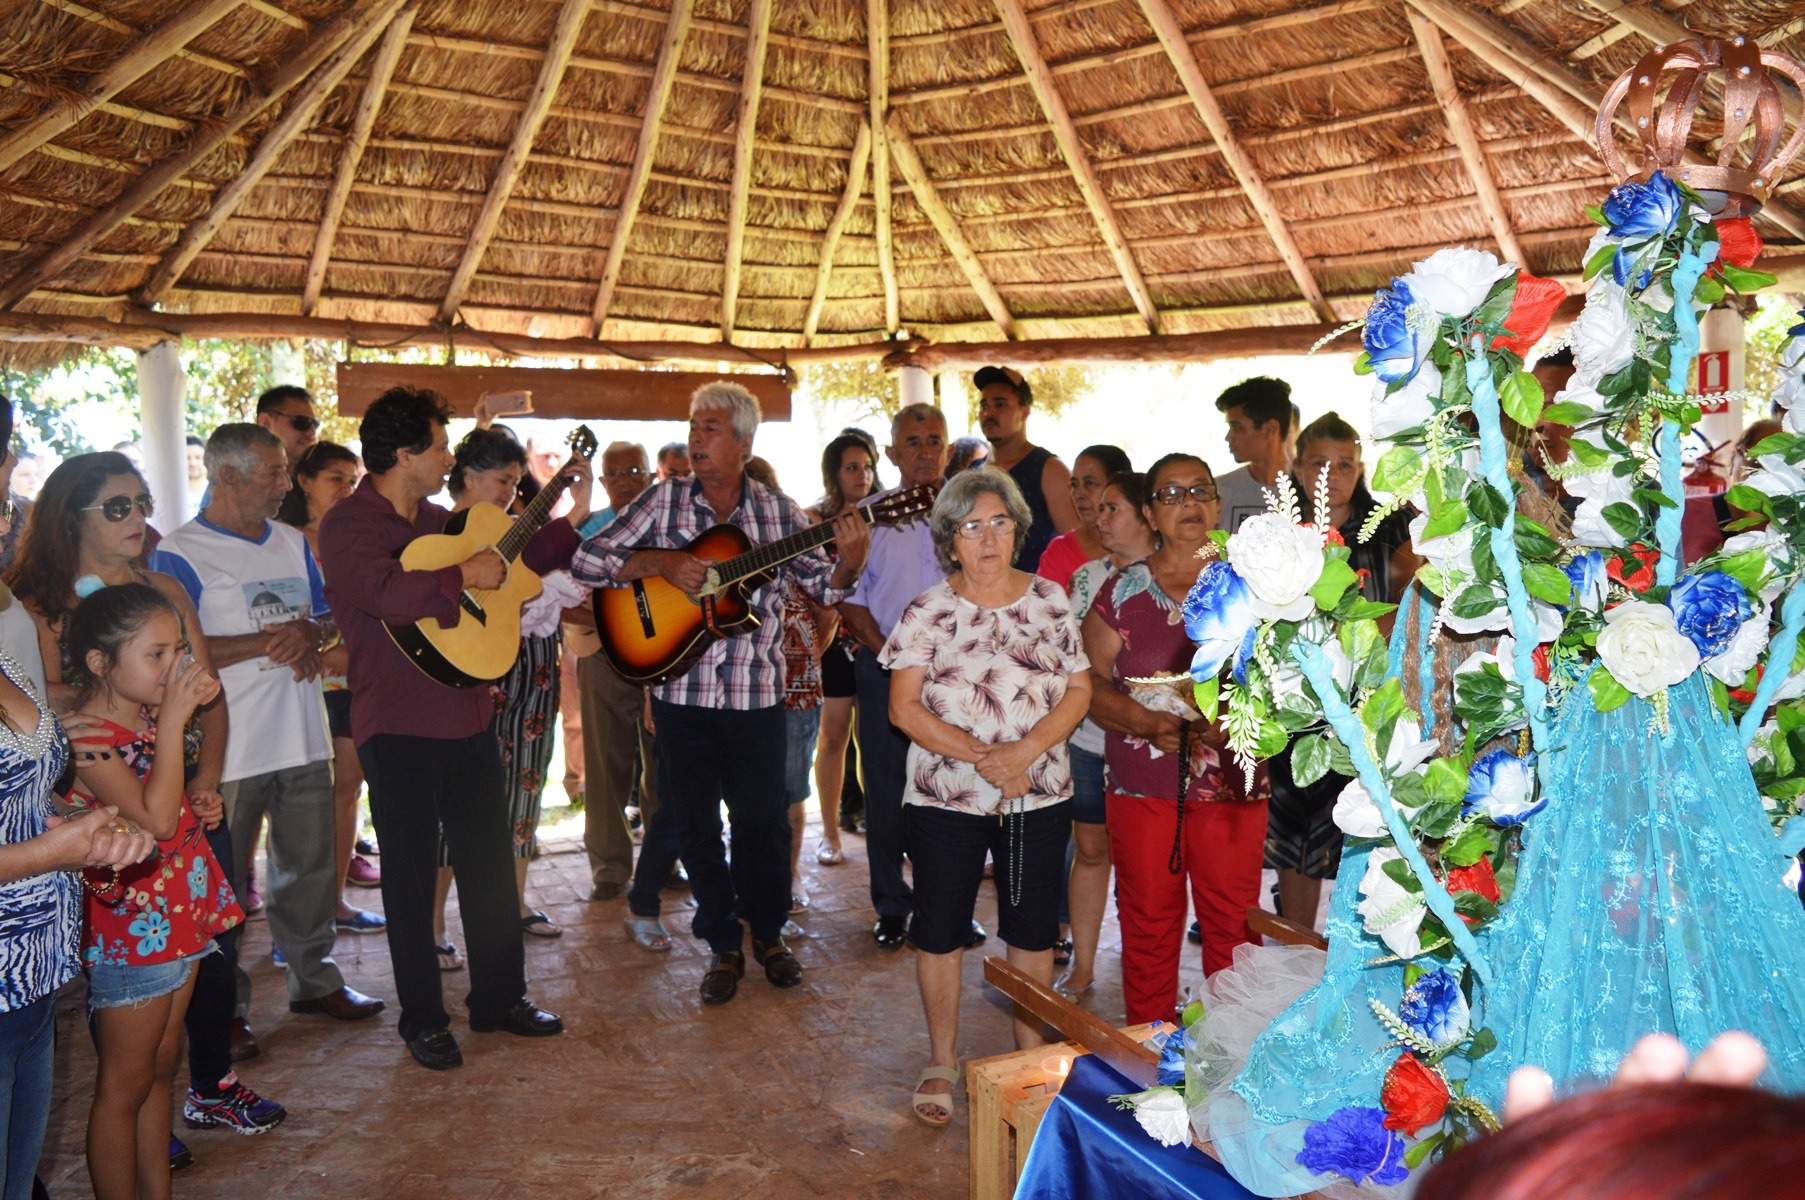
[170, 905]
[993, 673]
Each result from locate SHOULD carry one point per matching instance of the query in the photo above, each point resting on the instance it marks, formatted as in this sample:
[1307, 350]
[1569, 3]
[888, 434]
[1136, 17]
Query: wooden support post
[1466, 138]
[1077, 158]
[759, 26]
[165, 428]
[658, 94]
[298, 116]
[150, 50]
[26, 276]
[849, 200]
[1159, 14]
[563, 44]
[363, 121]
[909, 163]
[877, 37]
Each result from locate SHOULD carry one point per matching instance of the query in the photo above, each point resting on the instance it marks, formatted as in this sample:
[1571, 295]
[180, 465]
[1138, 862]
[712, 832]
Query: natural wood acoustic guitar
[652, 630]
[484, 643]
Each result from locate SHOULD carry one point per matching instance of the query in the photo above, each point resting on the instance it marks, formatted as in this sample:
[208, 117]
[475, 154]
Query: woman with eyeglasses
[1092, 470]
[1179, 814]
[988, 679]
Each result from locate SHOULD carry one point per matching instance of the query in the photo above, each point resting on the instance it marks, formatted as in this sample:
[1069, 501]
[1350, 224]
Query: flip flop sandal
[1062, 952]
[537, 924]
[933, 1100]
[648, 932]
[829, 856]
[449, 958]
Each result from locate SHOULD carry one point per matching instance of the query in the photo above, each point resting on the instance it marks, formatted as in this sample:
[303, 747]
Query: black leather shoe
[436, 1050]
[723, 978]
[781, 967]
[976, 937]
[890, 932]
[525, 1019]
[678, 881]
[346, 1004]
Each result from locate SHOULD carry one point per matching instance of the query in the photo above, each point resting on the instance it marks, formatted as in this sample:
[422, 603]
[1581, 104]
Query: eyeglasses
[629, 473]
[974, 529]
[1172, 493]
[301, 422]
[118, 508]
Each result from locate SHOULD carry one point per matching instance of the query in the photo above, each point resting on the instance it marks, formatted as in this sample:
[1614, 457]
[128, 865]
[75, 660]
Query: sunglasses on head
[118, 508]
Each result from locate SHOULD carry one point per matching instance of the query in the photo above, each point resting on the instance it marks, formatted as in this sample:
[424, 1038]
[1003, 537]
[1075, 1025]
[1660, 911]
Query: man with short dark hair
[428, 751]
[673, 461]
[1004, 400]
[287, 412]
[1259, 426]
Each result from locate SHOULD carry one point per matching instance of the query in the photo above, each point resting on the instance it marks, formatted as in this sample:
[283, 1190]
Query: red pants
[1224, 843]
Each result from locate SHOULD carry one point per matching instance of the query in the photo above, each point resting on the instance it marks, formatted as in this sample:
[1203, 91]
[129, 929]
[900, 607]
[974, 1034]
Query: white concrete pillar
[1719, 369]
[161, 384]
[917, 386]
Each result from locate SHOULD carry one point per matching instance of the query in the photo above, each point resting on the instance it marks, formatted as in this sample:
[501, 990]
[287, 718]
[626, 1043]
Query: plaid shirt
[745, 671]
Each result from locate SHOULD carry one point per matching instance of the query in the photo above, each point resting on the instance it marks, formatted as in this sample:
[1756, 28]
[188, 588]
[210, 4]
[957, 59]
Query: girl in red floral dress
[146, 925]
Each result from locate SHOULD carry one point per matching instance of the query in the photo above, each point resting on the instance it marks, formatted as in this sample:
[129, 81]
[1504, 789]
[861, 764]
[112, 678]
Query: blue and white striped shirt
[40, 915]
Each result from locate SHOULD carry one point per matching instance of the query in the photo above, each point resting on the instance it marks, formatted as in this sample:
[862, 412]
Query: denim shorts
[1087, 786]
[801, 726]
[114, 986]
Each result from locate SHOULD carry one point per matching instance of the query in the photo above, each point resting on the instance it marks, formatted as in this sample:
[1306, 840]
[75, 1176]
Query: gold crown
[1752, 104]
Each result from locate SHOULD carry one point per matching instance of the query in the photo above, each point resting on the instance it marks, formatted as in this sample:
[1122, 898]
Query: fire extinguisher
[1708, 476]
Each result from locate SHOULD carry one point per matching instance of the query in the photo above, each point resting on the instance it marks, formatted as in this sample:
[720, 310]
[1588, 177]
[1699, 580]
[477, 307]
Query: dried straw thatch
[1045, 159]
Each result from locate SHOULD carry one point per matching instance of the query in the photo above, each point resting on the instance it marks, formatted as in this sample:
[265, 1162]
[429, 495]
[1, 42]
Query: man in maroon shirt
[428, 752]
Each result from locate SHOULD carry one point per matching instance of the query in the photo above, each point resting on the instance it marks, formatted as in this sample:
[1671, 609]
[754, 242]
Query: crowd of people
[164, 700]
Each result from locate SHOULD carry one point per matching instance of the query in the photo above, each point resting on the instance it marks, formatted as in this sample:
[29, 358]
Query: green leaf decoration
[1381, 711]
[1708, 291]
[1487, 504]
[1437, 818]
[1366, 610]
[1193, 1013]
[1533, 540]
[1567, 412]
[1337, 577]
[1624, 520]
[1598, 218]
[1475, 601]
[1363, 363]
[1748, 568]
[1545, 581]
[1473, 844]
[1448, 517]
[1607, 694]
[1481, 1044]
[1419, 1153]
[1310, 759]
[1655, 496]
[1745, 280]
[1472, 904]
[1400, 873]
[1208, 693]
[1522, 399]
[1340, 761]
[1397, 468]
[1445, 779]
[1273, 738]
[1587, 455]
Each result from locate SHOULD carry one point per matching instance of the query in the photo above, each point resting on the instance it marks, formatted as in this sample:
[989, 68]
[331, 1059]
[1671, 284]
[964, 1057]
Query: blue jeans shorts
[114, 986]
[801, 726]
[1087, 786]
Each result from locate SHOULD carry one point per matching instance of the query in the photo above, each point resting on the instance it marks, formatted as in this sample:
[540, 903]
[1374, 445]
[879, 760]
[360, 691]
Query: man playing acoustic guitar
[721, 723]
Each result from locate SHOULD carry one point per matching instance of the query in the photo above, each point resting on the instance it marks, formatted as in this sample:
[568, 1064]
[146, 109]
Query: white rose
[1504, 657]
[1280, 562]
[1449, 551]
[1792, 353]
[1603, 336]
[1596, 491]
[1287, 684]
[1356, 812]
[1455, 281]
[1387, 911]
[1733, 663]
[1789, 392]
[1792, 689]
[1410, 406]
[1642, 648]
[1777, 477]
[1163, 1114]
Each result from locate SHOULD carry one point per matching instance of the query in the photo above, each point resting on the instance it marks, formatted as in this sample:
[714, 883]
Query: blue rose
[152, 931]
[1435, 1007]
[1171, 1068]
[1709, 609]
[1799, 329]
[1395, 343]
[1587, 574]
[1503, 787]
[1355, 1143]
[1218, 616]
[1643, 210]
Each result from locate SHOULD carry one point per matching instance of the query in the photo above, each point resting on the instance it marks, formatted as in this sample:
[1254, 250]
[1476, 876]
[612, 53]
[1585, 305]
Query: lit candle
[1055, 1069]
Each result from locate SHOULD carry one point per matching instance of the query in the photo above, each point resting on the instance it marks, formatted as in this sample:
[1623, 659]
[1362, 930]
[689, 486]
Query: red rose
[1530, 313]
[1330, 536]
[1737, 242]
[1476, 878]
[1540, 655]
[1413, 1096]
[1640, 579]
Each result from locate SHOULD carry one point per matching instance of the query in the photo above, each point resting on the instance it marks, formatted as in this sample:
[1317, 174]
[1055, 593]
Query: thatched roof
[1049, 172]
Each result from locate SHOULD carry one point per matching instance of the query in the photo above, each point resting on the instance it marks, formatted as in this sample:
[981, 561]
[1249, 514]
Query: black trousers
[418, 787]
[215, 1000]
[883, 759]
[707, 755]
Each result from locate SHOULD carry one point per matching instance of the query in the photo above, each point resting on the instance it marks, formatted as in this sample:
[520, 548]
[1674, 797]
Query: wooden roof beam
[877, 37]
[658, 95]
[296, 117]
[1466, 138]
[1184, 60]
[198, 57]
[830, 241]
[23, 278]
[746, 129]
[147, 51]
[909, 163]
[1077, 158]
[363, 120]
[563, 43]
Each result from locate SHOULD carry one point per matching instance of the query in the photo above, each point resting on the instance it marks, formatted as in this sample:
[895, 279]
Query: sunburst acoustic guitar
[651, 630]
[484, 643]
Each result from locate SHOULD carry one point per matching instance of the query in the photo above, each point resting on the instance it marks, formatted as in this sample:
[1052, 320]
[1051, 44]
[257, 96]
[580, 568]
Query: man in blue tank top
[1004, 399]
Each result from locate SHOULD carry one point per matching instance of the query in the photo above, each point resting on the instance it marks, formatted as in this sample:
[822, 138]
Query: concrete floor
[778, 1094]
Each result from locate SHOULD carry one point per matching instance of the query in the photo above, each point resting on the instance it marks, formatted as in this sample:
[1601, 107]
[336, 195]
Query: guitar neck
[531, 518]
[761, 559]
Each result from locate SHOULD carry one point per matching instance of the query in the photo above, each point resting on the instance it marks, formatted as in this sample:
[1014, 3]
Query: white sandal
[648, 932]
[932, 1100]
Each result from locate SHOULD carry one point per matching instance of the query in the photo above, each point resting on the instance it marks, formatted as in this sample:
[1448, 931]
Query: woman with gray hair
[988, 680]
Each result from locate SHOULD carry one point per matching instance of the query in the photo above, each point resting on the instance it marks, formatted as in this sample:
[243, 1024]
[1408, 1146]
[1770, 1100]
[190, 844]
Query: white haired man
[721, 727]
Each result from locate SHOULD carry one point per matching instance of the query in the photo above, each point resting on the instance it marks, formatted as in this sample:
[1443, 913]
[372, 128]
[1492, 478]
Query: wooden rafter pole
[363, 122]
[758, 26]
[1040, 78]
[571, 15]
[151, 50]
[295, 119]
[877, 39]
[1466, 138]
[1165, 25]
[830, 241]
[909, 163]
[26, 276]
[658, 94]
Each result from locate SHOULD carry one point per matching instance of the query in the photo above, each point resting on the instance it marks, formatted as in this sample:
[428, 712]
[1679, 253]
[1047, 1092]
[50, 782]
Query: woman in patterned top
[149, 924]
[988, 679]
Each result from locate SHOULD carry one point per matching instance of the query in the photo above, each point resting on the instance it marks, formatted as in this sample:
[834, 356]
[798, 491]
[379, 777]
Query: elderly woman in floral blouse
[988, 680]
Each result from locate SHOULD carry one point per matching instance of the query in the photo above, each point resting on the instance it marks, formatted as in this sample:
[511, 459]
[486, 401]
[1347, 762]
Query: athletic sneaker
[236, 1107]
[363, 873]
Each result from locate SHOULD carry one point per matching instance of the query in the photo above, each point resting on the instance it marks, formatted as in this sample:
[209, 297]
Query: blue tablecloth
[1088, 1149]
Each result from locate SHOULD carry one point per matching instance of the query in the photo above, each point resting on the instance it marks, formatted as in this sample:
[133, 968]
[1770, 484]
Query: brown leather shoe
[244, 1042]
[342, 1005]
[723, 978]
[607, 891]
[781, 967]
